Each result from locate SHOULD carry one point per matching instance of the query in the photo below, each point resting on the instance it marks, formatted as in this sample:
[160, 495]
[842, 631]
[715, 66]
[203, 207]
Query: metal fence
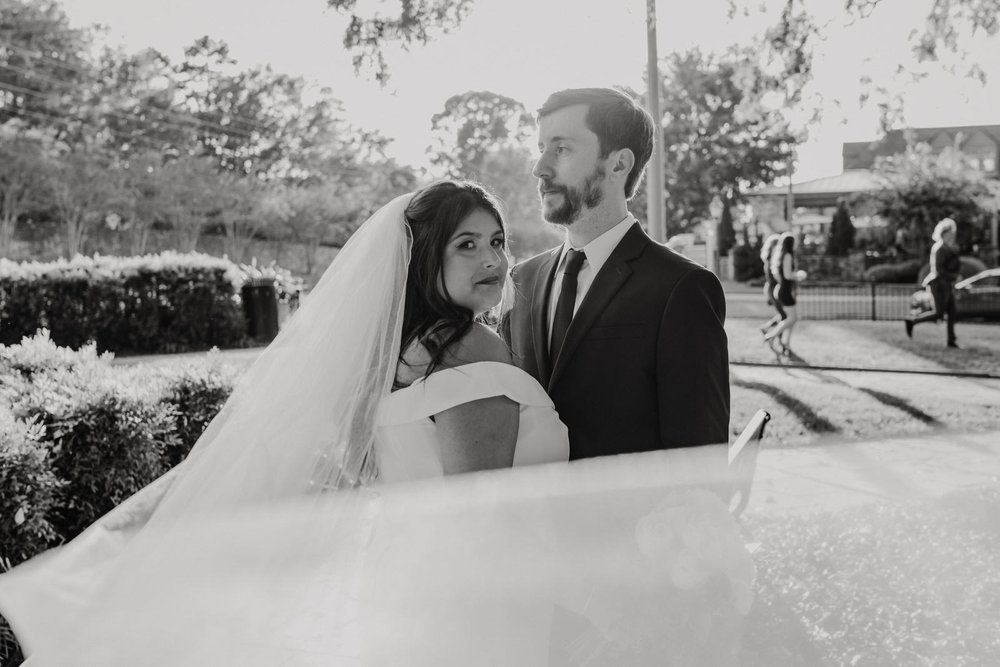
[889, 301]
[854, 301]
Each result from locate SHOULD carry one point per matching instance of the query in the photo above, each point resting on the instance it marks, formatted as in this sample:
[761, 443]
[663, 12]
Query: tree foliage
[719, 139]
[841, 235]
[44, 65]
[789, 44]
[417, 23]
[180, 143]
[473, 124]
[923, 187]
[786, 48]
[726, 232]
[86, 186]
[25, 154]
[507, 171]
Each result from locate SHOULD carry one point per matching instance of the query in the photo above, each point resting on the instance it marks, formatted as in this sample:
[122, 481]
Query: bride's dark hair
[429, 314]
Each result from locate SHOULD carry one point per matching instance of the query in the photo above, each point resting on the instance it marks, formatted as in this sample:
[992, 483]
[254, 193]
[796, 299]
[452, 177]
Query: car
[976, 296]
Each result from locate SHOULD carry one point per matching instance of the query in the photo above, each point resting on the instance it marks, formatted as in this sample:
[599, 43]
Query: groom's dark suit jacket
[645, 364]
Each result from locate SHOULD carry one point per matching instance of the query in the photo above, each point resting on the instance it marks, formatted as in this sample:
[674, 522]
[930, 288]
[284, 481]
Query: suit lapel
[615, 272]
[541, 291]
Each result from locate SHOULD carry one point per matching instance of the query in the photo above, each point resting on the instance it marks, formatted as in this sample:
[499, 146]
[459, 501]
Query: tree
[418, 21]
[24, 158]
[786, 47]
[238, 205]
[44, 66]
[257, 121]
[312, 214]
[137, 100]
[190, 189]
[507, 170]
[841, 237]
[147, 185]
[86, 186]
[725, 234]
[923, 187]
[789, 44]
[471, 125]
[719, 139]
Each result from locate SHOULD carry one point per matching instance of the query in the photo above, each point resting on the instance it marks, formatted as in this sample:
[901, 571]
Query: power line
[144, 125]
[166, 112]
[48, 115]
[249, 124]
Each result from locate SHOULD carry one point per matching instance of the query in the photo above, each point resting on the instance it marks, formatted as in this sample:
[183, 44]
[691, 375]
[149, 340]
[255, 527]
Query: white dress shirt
[597, 251]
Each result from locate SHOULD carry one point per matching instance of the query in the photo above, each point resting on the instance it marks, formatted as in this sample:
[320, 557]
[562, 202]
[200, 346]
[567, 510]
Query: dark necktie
[567, 299]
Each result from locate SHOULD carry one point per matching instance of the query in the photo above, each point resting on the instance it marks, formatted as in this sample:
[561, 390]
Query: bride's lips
[492, 280]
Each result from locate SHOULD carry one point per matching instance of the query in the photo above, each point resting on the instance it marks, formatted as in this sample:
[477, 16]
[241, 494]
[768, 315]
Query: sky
[526, 49]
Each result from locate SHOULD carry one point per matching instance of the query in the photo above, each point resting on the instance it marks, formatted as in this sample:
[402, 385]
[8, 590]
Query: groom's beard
[574, 199]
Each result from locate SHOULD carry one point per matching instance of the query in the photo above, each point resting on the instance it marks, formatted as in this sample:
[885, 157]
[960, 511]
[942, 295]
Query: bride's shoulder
[480, 343]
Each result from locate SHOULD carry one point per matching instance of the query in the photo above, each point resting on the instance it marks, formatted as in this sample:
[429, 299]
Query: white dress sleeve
[406, 439]
[449, 387]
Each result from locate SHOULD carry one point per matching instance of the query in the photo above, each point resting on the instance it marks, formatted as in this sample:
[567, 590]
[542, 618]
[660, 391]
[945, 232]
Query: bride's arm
[481, 434]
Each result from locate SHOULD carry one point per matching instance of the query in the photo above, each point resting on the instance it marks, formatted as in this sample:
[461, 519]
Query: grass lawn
[881, 584]
[807, 405]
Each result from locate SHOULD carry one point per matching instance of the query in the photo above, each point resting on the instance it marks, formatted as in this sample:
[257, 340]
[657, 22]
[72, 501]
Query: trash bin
[260, 305]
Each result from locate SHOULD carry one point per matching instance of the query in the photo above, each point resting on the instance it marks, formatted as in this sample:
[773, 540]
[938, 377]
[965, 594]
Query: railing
[854, 301]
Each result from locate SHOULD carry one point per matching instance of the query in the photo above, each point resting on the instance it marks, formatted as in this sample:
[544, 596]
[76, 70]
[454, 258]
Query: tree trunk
[7, 226]
[74, 234]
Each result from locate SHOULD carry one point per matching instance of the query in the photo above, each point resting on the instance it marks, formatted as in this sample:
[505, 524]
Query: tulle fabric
[300, 422]
[625, 560]
[268, 546]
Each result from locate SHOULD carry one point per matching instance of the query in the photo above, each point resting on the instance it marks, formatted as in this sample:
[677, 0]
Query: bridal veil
[269, 546]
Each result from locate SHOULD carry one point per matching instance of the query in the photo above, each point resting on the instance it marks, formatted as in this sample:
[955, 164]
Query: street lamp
[654, 178]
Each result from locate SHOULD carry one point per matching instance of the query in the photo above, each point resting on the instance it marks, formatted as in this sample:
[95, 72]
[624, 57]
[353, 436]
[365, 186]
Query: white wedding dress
[272, 544]
[406, 442]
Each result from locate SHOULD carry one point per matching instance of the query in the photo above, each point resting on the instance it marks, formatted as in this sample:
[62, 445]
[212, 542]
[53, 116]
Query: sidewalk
[844, 474]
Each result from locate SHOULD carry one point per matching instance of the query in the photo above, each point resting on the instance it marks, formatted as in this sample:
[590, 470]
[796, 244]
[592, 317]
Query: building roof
[862, 154]
[824, 191]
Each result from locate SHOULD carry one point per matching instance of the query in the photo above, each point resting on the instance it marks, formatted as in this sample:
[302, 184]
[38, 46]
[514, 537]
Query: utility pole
[654, 177]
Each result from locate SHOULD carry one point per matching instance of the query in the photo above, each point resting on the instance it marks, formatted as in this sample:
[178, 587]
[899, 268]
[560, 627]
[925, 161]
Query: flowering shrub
[99, 432]
[105, 439]
[196, 393]
[30, 492]
[155, 303]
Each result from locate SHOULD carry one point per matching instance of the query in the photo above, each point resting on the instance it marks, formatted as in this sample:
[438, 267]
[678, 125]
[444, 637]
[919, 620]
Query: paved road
[839, 474]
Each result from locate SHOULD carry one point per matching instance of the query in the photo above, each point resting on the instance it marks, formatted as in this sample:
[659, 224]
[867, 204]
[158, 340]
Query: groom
[626, 335]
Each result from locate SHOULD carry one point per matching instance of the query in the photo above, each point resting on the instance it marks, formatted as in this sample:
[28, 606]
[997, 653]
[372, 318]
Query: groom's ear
[623, 160]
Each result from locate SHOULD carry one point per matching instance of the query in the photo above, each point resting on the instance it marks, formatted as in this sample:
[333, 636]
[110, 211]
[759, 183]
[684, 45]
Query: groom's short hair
[617, 120]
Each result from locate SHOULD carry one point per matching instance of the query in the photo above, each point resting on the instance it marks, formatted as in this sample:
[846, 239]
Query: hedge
[156, 303]
[102, 431]
[915, 270]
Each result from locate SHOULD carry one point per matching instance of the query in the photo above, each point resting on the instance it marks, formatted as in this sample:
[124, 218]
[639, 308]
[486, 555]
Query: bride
[319, 519]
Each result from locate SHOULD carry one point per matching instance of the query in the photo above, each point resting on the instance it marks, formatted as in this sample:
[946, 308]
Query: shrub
[195, 394]
[747, 264]
[107, 441]
[104, 435]
[156, 303]
[39, 354]
[970, 266]
[30, 491]
[902, 272]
